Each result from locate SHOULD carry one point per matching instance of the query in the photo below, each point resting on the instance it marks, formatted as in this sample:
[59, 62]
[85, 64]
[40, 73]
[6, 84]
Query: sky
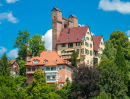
[102, 16]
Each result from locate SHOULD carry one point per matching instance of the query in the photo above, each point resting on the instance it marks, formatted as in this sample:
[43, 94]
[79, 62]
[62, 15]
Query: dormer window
[56, 60]
[68, 39]
[35, 61]
[45, 61]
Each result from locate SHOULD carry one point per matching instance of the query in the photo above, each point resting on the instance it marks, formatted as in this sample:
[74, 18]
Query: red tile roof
[96, 41]
[51, 56]
[76, 34]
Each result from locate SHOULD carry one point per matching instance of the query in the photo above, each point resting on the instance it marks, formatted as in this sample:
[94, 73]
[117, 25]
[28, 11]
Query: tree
[66, 91]
[74, 58]
[4, 65]
[22, 70]
[120, 36]
[39, 88]
[111, 79]
[109, 52]
[85, 81]
[8, 89]
[22, 42]
[36, 44]
[103, 95]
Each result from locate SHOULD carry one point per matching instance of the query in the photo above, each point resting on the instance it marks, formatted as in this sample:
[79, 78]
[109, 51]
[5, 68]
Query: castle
[68, 36]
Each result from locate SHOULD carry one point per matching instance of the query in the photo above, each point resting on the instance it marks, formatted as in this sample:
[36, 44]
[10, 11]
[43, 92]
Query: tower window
[65, 26]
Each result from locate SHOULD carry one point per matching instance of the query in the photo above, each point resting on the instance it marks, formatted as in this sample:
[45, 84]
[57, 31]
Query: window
[82, 43]
[99, 48]
[53, 76]
[60, 76]
[43, 68]
[53, 68]
[48, 77]
[87, 38]
[60, 86]
[60, 68]
[87, 32]
[82, 50]
[91, 45]
[63, 45]
[101, 43]
[35, 61]
[65, 26]
[98, 54]
[101, 55]
[47, 68]
[67, 69]
[63, 51]
[45, 61]
[78, 51]
[91, 39]
[33, 69]
[77, 44]
[90, 52]
[68, 39]
[86, 51]
[86, 44]
[14, 66]
[70, 45]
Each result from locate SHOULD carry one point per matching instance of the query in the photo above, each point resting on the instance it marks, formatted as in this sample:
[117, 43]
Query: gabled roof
[75, 34]
[51, 56]
[96, 41]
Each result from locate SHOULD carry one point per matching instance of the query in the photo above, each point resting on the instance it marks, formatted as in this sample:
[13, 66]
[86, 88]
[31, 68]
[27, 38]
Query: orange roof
[51, 56]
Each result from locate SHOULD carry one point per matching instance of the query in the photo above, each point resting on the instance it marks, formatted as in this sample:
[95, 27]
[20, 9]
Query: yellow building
[68, 36]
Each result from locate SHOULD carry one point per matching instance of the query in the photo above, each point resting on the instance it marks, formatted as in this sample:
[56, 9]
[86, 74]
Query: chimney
[39, 53]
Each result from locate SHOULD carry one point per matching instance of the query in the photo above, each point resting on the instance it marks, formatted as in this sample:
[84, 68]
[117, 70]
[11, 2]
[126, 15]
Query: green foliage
[4, 65]
[36, 44]
[109, 52]
[8, 89]
[22, 42]
[121, 63]
[53, 87]
[85, 82]
[74, 58]
[22, 70]
[66, 91]
[20, 80]
[112, 79]
[120, 36]
[39, 88]
[103, 95]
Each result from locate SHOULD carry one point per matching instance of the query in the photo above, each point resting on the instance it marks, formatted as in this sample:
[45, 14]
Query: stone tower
[59, 22]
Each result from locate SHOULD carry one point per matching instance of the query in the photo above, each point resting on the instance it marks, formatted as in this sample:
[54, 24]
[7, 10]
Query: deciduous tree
[85, 81]
[74, 58]
[36, 44]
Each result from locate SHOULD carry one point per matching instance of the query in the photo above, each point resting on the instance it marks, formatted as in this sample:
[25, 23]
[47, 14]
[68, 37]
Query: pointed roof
[96, 41]
[75, 34]
[55, 9]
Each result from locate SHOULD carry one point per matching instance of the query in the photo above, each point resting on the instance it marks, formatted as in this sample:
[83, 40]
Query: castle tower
[56, 26]
[59, 22]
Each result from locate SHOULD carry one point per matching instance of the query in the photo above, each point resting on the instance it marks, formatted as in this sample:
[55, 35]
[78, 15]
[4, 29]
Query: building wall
[16, 69]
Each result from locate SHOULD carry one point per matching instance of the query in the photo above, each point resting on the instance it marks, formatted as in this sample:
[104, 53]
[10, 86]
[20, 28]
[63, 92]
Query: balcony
[69, 53]
[51, 80]
[67, 57]
[30, 70]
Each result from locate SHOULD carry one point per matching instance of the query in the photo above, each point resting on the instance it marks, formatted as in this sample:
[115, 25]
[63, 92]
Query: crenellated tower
[59, 22]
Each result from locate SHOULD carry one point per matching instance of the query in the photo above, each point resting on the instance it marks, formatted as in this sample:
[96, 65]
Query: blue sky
[103, 17]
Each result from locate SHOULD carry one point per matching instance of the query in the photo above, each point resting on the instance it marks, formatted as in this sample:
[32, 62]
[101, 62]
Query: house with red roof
[54, 67]
[68, 36]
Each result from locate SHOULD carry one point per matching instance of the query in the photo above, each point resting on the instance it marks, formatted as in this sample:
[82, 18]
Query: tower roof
[55, 9]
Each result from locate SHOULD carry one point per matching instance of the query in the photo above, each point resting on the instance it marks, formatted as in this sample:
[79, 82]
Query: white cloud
[92, 34]
[0, 22]
[13, 53]
[80, 25]
[2, 49]
[115, 5]
[129, 38]
[11, 1]
[9, 17]
[128, 32]
[48, 39]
